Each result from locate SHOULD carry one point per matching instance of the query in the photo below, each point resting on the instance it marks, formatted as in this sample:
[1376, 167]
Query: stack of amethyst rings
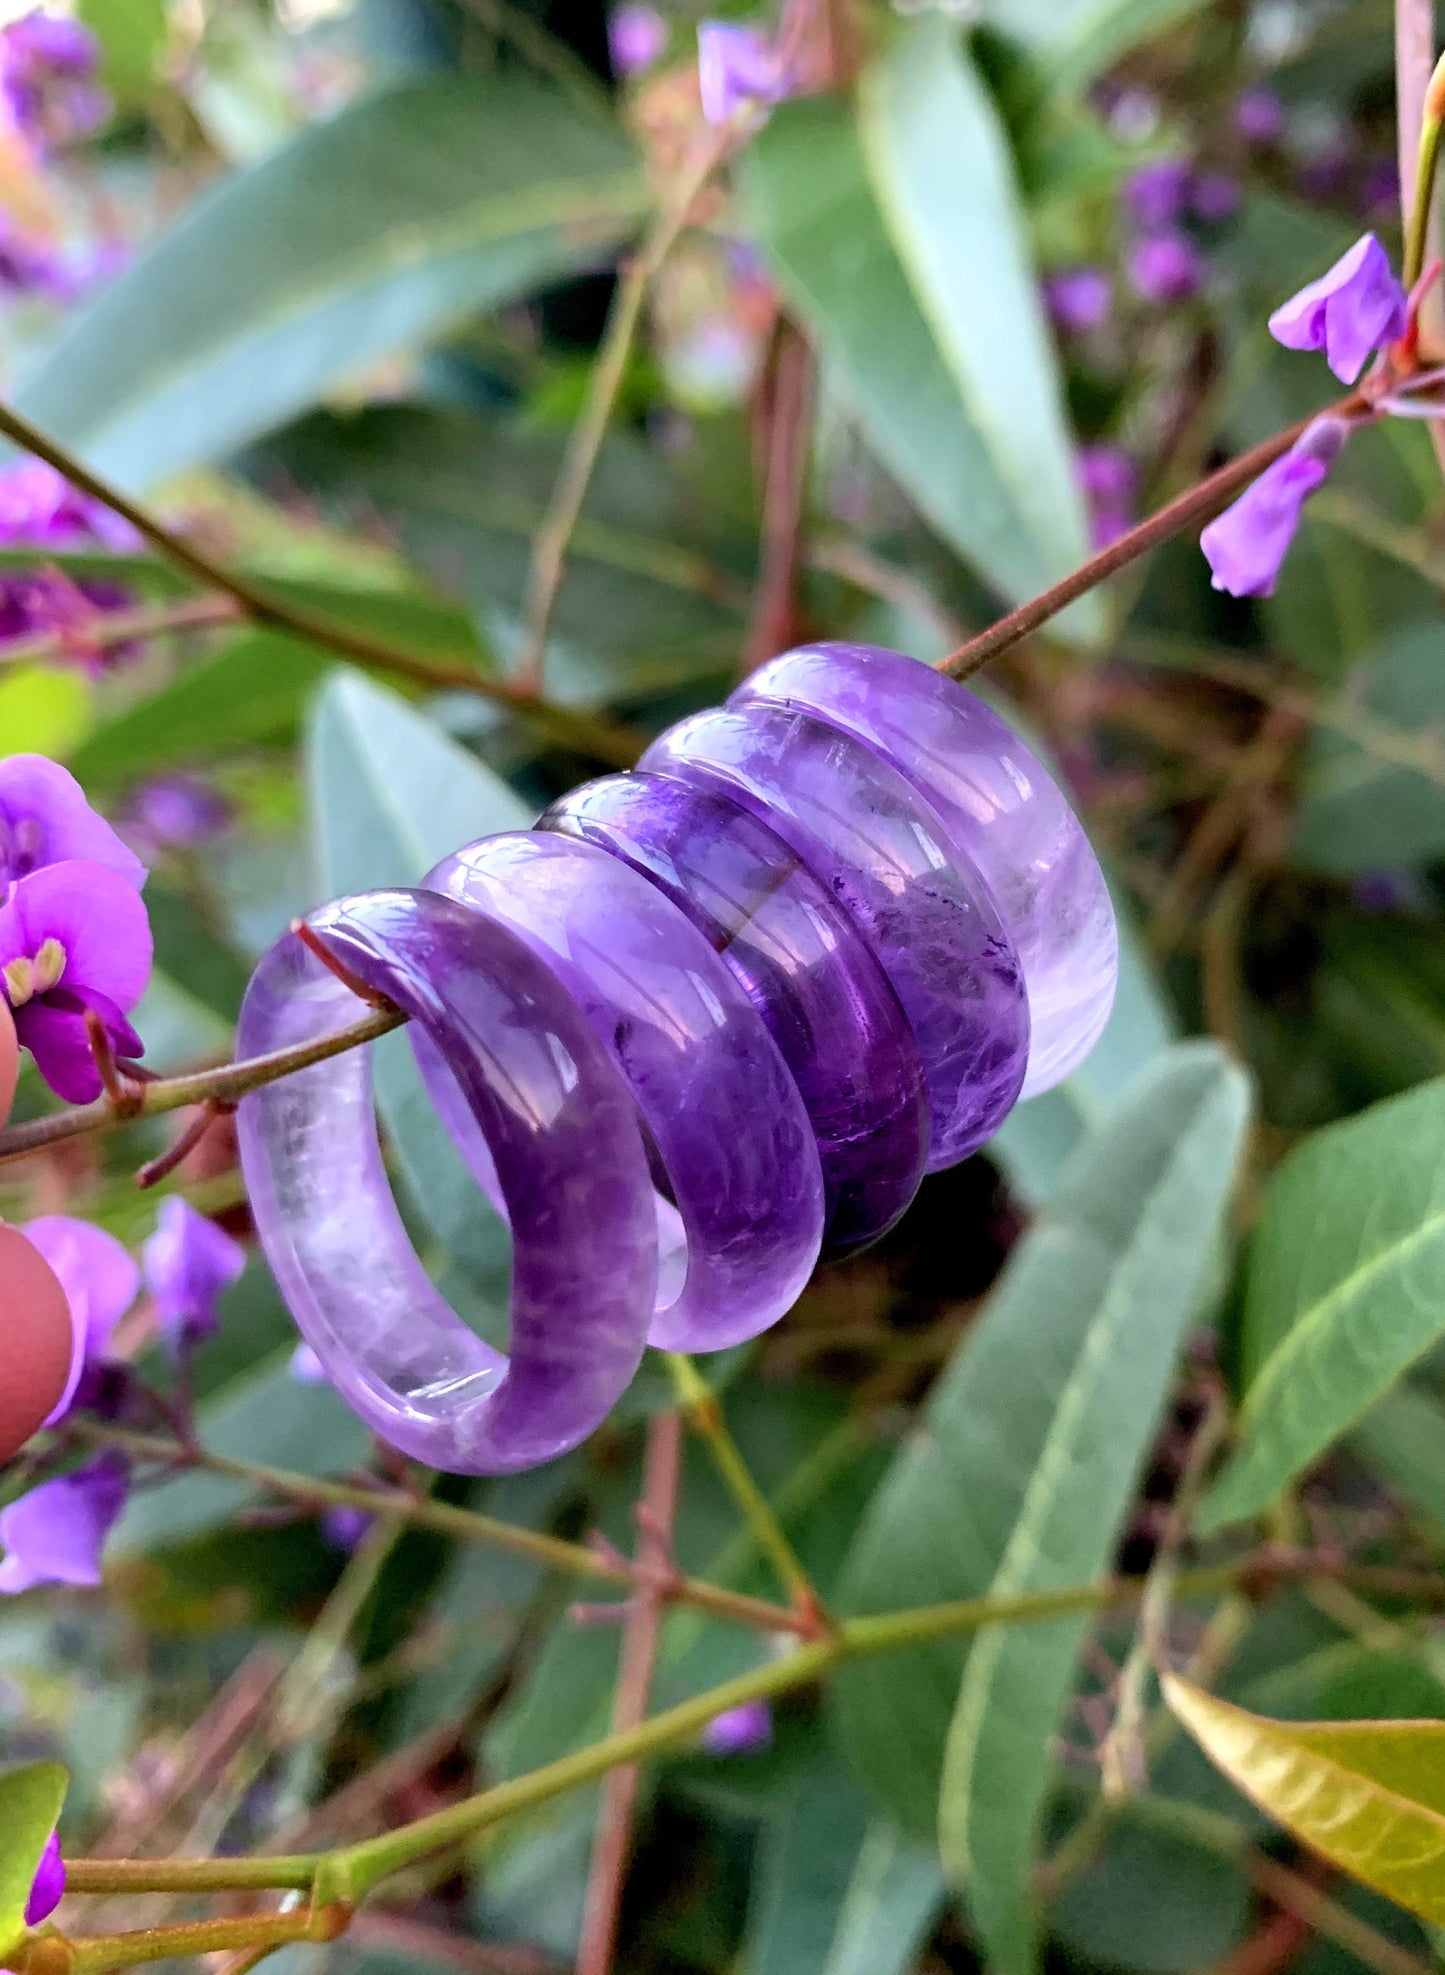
[816, 945]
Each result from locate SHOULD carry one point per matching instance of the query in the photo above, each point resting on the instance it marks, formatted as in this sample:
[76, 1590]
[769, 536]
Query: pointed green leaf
[1024, 1470]
[1345, 1290]
[1076, 40]
[30, 1802]
[369, 233]
[939, 165]
[1367, 1795]
[807, 188]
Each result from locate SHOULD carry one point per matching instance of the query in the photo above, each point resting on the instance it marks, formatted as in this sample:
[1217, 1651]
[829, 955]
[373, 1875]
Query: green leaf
[1038, 1137]
[1402, 1440]
[1368, 1795]
[1345, 1290]
[1374, 799]
[30, 1803]
[1021, 1478]
[1079, 39]
[390, 796]
[939, 164]
[1153, 1899]
[368, 234]
[835, 1893]
[806, 183]
[641, 606]
[132, 37]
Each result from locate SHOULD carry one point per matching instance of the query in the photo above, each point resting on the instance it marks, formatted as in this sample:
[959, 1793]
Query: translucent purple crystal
[563, 1132]
[709, 1014]
[804, 966]
[931, 921]
[713, 1093]
[1004, 815]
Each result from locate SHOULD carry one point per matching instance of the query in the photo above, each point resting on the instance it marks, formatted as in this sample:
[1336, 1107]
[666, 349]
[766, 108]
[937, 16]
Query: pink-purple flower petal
[189, 1264]
[1355, 309]
[47, 1889]
[1247, 544]
[55, 1534]
[100, 1278]
[46, 819]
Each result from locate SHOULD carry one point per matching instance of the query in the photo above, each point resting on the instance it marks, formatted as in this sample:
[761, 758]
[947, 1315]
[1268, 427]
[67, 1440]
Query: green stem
[225, 1085]
[420, 1511]
[705, 1415]
[1417, 234]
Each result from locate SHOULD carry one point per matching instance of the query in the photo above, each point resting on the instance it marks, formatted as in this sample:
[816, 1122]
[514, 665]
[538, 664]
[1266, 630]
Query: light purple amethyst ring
[821, 939]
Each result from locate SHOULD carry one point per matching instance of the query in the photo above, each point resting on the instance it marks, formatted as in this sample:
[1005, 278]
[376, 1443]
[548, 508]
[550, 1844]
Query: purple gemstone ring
[1003, 813]
[881, 850]
[714, 1095]
[804, 966]
[570, 1162]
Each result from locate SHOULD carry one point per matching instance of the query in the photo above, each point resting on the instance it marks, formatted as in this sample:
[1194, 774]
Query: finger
[36, 1341]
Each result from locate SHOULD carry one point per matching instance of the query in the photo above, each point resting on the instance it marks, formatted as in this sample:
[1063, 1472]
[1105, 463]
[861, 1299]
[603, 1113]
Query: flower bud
[36, 1323]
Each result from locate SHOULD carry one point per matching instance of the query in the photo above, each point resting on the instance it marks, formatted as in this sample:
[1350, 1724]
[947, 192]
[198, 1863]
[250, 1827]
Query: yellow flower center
[24, 979]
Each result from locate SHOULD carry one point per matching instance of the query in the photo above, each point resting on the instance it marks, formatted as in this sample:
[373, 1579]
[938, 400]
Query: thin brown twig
[104, 630]
[773, 620]
[592, 733]
[553, 537]
[1197, 504]
[641, 1633]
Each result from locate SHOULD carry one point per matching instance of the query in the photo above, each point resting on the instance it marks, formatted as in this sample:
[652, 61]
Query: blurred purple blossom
[1246, 545]
[39, 508]
[1079, 298]
[48, 67]
[47, 1889]
[189, 1264]
[1165, 268]
[739, 1730]
[176, 812]
[1214, 196]
[1156, 194]
[55, 1534]
[1110, 481]
[1380, 190]
[100, 1279]
[74, 937]
[1350, 312]
[1259, 116]
[306, 1367]
[345, 1527]
[738, 69]
[637, 36]
[46, 819]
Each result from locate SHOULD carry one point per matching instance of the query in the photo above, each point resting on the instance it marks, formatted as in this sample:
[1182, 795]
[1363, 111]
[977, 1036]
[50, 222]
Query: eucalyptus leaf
[1368, 1795]
[1345, 1289]
[1022, 1472]
[940, 169]
[807, 187]
[367, 234]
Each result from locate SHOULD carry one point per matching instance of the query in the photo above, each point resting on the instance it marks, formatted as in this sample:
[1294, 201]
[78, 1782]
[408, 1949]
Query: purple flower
[45, 819]
[73, 937]
[176, 812]
[100, 1279]
[1347, 313]
[1380, 190]
[637, 36]
[47, 76]
[1246, 544]
[738, 68]
[1110, 482]
[1079, 298]
[740, 1730]
[47, 1889]
[55, 1534]
[39, 507]
[1259, 116]
[1164, 268]
[1156, 194]
[345, 1527]
[1214, 197]
[189, 1264]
